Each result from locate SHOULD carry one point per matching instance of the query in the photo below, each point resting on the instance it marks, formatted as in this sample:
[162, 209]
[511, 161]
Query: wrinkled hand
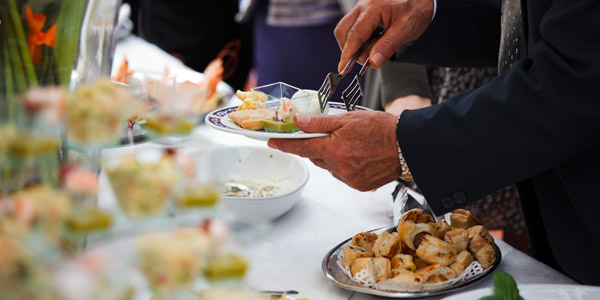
[402, 20]
[360, 151]
[409, 102]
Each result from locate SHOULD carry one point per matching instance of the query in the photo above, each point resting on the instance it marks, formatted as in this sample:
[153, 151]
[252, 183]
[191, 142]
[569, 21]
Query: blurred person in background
[294, 41]
[395, 87]
[196, 32]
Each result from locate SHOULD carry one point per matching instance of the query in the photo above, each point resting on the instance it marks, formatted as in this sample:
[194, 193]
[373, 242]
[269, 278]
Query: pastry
[403, 261]
[351, 253]
[416, 215]
[380, 267]
[463, 260]
[364, 240]
[459, 238]
[408, 232]
[403, 276]
[251, 119]
[435, 274]
[436, 251]
[387, 244]
[461, 218]
[482, 250]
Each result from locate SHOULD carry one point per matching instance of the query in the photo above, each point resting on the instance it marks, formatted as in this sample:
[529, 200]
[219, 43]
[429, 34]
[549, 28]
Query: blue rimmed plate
[219, 120]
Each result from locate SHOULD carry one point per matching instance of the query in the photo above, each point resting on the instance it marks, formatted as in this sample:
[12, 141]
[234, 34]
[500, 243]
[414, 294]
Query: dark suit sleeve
[463, 33]
[542, 112]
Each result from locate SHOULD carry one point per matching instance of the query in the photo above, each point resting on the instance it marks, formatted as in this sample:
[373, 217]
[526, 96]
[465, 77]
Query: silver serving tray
[333, 272]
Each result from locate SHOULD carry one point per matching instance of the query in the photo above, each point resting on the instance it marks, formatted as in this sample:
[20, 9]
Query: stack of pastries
[421, 251]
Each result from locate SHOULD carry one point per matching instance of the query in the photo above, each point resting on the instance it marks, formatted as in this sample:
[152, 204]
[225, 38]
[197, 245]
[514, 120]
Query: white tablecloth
[289, 254]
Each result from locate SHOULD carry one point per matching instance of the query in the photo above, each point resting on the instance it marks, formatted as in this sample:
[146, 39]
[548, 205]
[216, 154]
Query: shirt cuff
[434, 9]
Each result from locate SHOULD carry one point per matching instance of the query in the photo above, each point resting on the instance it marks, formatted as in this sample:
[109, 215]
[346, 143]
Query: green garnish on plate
[505, 288]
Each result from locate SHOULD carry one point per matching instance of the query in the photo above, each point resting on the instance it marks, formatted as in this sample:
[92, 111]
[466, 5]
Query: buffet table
[288, 255]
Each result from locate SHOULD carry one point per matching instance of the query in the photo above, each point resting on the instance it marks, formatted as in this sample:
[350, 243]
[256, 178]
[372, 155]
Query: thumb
[317, 123]
[384, 48]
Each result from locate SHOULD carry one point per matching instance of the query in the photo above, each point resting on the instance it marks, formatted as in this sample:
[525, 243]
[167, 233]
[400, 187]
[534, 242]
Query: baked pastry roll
[408, 231]
[251, 119]
[441, 228]
[403, 261]
[479, 230]
[459, 238]
[436, 251]
[463, 260]
[380, 267]
[351, 253]
[435, 274]
[461, 218]
[387, 244]
[416, 215]
[403, 276]
[482, 250]
[364, 240]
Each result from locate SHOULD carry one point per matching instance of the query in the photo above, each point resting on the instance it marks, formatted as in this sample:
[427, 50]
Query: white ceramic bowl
[225, 164]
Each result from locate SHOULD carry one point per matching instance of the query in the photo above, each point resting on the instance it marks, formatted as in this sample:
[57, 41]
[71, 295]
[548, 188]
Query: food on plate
[436, 251]
[96, 113]
[421, 251]
[143, 188]
[403, 276]
[225, 266]
[404, 262]
[173, 261]
[280, 126]
[435, 274]
[458, 238]
[282, 121]
[387, 245]
[251, 100]
[251, 119]
[281, 118]
[380, 267]
[463, 219]
[413, 232]
[364, 240]
[463, 260]
[352, 252]
[251, 188]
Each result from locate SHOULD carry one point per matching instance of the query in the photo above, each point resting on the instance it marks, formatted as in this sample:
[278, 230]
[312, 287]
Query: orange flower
[36, 37]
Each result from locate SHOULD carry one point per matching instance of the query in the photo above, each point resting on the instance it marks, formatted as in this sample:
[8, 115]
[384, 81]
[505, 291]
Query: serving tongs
[332, 79]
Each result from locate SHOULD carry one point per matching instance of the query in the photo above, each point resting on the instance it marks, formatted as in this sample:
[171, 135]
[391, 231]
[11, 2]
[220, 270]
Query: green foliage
[505, 288]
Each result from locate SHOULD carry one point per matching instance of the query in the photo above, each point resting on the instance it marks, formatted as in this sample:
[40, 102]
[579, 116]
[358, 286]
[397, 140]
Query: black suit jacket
[537, 124]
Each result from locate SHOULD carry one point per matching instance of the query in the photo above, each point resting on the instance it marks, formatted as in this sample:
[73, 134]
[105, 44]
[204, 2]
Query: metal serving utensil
[354, 92]
[332, 80]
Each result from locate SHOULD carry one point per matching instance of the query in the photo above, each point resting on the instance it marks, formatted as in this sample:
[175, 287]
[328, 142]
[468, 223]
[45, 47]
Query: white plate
[219, 120]
[540, 292]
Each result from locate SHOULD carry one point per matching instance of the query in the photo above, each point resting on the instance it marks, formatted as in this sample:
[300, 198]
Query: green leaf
[505, 285]
[67, 37]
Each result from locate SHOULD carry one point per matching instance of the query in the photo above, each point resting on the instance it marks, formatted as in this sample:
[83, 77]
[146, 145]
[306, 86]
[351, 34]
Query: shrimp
[213, 75]
[123, 74]
[284, 112]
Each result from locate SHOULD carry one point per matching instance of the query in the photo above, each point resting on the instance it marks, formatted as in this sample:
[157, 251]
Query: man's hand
[402, 20]
[360, 151]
